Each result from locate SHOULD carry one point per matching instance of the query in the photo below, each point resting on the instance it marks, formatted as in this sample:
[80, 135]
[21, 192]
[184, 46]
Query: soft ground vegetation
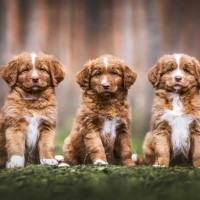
[99, 182]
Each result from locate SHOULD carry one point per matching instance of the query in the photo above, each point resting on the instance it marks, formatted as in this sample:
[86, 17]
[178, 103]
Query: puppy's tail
[137, 159]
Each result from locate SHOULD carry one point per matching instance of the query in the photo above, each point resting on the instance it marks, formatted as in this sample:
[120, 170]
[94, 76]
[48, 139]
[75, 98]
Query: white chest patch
[108, 133]
[109, 127]
[179, 123]
[178, 71]
[33, 132]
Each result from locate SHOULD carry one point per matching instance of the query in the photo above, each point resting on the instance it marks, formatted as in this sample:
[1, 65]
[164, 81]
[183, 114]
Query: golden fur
[100, 133]
[32, 102]
[174, 138]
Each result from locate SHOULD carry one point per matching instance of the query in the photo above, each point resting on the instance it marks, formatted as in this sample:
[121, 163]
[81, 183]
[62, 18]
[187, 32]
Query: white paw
[158, 165]
[59, 158]
[44, 161]
[134, 157]
[100, 162]
[63, 165]
[15, 161]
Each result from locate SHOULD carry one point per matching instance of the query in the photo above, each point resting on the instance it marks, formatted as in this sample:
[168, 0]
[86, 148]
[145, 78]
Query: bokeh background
[137, 31]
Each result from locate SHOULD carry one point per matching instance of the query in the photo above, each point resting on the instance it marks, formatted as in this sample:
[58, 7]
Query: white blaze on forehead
[177, 58]
[105, 61]
[33, 56]
[104, 80]
[178, 72]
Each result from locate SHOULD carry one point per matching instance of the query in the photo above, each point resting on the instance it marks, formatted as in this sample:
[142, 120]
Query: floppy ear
[129, 77]
[9, 72]
[83, 77]
[197, 68]
[57, 72]
[154, 75]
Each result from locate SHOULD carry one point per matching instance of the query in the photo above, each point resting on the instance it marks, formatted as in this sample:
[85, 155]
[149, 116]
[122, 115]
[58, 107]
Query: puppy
[100, 133]
[28, 117]
[174, 138]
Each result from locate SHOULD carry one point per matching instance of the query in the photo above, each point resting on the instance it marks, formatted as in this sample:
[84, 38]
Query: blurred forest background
[137, 31]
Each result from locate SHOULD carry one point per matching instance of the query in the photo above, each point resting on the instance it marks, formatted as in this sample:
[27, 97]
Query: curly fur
[28, 117]
[101, 130]
[174, 138]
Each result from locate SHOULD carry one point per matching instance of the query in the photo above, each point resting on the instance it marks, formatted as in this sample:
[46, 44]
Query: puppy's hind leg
[70, 157]
[3, 152]
[148, 150]
[123, 146]
[195, 150]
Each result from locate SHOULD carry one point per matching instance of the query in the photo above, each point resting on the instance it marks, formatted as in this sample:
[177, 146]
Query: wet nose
[35, 79]
[106, 86]
[178, 78]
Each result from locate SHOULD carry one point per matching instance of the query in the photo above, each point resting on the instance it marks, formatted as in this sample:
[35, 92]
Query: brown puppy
[28, 117]
[100, 133]
[175, 124]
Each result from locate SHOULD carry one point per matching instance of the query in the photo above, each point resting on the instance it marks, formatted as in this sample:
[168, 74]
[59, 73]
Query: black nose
[35, 79]
[106, 86]
[178, 78]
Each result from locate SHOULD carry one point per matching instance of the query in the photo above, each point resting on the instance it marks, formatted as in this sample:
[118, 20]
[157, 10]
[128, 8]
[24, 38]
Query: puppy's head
[177, 72]
[107, 74]
[33, 71]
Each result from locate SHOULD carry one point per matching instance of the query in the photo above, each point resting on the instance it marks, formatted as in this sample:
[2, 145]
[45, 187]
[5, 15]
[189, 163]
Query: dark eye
[186, 71]
[170, 70]
[42, 69]
[25, 70]
[114, 73]
[98, 74]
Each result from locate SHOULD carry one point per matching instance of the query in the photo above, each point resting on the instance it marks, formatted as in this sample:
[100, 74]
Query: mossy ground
[99, 182]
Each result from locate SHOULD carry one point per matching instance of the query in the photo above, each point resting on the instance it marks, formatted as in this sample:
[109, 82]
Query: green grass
[137, 145]
[99, 182]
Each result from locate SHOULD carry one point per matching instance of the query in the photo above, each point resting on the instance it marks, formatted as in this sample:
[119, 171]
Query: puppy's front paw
[59, 158]
[128, 162]
[161, 162]
[100, 162]
[15, 162]
[63, 165]
[159, 165]
[44, 161]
